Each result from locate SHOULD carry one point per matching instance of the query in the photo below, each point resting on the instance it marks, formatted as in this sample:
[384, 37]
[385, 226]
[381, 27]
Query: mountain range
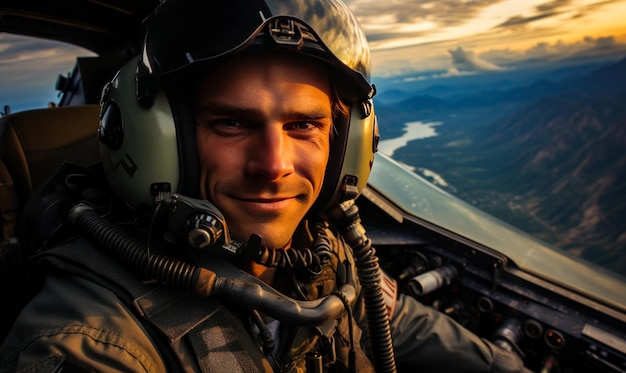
[549, 157]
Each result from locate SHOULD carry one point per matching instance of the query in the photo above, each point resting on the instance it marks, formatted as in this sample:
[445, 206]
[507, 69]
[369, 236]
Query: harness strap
[218, 337]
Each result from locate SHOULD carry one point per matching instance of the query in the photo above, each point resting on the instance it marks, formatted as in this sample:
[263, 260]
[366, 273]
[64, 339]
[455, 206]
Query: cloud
[21, 68]
[553, 5]
[466, 61]
[453, 72]
[20, 54]
[384, 20]
[517, 22]
[463, 61]
[543, 52]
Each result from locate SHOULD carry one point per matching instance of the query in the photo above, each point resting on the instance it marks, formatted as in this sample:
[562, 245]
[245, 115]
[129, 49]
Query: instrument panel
[551, 328]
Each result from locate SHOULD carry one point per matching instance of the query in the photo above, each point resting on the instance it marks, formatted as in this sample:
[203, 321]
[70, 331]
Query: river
[412, 131]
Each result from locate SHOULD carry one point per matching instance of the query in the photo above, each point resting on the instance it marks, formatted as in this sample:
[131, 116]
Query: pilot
[225, 238]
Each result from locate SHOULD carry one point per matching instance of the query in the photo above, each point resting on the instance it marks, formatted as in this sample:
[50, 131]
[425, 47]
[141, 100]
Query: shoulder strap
[188, 329]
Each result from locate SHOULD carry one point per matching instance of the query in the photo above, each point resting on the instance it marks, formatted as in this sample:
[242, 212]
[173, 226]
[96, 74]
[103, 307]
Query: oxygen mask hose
[114, 240]
[238, 287]
[346, 218]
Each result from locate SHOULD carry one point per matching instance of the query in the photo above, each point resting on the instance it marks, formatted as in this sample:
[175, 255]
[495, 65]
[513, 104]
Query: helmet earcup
[139, 149]
[357, 146]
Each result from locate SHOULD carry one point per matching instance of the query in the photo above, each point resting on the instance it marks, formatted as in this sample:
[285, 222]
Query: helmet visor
[185, 32]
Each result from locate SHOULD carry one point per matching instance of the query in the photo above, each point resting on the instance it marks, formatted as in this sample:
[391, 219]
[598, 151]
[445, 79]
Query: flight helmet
[147, 135]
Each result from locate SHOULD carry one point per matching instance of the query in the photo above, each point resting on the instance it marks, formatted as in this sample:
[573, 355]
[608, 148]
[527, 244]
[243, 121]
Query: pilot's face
[263, 136]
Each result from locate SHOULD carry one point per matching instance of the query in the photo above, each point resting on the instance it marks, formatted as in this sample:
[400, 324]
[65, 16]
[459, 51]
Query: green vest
[206, 332]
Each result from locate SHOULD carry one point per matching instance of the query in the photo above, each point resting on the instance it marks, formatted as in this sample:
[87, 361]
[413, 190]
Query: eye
[227, 123]
[222, 126]
[301, 126]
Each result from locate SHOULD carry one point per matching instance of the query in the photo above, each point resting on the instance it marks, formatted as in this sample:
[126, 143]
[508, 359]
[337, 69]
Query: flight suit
[86, 319]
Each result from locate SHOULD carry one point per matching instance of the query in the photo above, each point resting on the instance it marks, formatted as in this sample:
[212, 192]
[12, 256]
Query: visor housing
[184, 34]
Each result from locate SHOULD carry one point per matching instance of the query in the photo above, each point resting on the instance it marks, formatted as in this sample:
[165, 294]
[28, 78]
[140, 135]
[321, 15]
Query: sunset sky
[465, 36]
[417, 39]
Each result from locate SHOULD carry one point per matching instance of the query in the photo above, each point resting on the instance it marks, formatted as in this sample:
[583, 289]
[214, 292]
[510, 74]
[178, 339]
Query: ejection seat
[34, 143]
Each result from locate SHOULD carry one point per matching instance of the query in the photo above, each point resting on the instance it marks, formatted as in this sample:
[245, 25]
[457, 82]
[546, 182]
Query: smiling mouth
[266, 200]
[263, 200]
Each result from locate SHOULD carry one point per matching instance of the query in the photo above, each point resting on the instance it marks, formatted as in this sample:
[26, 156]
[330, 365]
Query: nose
[271, 156]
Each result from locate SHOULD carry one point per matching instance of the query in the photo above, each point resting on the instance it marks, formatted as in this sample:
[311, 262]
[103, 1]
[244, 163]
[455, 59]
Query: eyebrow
[226, 109]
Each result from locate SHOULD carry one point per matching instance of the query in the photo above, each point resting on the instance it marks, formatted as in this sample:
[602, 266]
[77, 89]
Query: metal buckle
[285, 31]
